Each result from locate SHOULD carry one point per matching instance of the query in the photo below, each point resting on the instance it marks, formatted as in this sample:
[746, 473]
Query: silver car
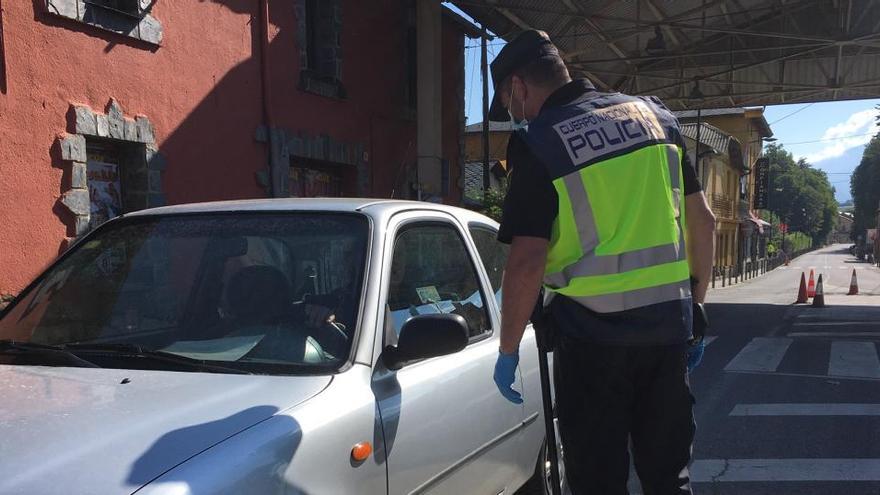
[270, 346]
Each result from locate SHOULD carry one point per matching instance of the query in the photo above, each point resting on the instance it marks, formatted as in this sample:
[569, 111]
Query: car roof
[369, 206]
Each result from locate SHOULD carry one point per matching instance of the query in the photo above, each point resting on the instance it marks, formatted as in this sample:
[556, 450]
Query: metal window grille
[128, 8]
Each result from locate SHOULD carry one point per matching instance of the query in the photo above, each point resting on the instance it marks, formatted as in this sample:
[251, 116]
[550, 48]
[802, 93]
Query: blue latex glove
[695, 355]
[505, 374]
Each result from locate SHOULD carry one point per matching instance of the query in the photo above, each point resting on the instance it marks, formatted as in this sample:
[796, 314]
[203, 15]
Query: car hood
[82, 430]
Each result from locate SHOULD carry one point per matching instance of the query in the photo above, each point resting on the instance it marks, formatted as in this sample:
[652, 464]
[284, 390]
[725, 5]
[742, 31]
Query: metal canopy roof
[735, 52]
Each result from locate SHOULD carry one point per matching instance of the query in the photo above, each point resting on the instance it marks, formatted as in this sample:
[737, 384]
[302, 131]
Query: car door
[493, 255]
[446, 428]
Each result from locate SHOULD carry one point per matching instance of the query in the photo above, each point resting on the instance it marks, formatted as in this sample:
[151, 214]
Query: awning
[760, 224]
[718, 141]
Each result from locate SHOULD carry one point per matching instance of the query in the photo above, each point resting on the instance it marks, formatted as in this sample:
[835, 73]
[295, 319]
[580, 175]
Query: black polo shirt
[530, 208]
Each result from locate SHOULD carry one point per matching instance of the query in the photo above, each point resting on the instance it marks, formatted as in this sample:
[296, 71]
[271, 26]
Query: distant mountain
[839, 170]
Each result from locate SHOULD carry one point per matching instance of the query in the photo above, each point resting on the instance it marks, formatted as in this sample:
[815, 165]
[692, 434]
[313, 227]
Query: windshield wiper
[45, 349]
[138, 351]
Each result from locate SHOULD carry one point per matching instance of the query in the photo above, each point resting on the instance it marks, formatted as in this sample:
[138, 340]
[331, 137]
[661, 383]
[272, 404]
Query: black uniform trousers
[609, 394]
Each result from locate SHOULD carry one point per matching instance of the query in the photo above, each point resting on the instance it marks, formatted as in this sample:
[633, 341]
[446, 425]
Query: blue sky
[831, 136]
[841, 129]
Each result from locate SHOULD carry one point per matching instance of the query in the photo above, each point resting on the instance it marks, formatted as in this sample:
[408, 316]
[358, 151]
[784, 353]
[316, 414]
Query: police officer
[601, 199]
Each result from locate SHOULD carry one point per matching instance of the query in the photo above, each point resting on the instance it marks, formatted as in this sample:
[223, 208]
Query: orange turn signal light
[361, 451]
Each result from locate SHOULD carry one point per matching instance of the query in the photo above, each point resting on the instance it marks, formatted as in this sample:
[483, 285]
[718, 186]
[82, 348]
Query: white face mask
[516, 125]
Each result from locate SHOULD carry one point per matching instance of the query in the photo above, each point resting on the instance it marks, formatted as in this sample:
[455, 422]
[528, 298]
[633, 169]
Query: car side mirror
[427, 336]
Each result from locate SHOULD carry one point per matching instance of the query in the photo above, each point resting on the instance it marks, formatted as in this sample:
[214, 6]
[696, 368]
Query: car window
[493, 255]
[432, 272]
[262, 292]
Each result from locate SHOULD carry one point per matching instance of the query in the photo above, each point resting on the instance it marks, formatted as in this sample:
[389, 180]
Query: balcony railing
[722, 206]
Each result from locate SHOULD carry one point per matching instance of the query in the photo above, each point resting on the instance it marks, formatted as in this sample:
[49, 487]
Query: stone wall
[142, 165]
[317, 147]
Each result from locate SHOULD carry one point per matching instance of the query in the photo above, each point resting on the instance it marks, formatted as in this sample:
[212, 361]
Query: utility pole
[484, 69]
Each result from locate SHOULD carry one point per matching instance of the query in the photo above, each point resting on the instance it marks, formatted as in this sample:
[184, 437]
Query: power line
[470, 89]
[829, 139]
[808, 105]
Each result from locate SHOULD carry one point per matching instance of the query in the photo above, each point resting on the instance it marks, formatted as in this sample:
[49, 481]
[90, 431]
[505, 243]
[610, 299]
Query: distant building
[499, 134]
[749, 127]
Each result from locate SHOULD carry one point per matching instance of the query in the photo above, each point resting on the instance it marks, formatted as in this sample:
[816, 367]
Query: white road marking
[808, 375]
[834, 334]
[834, 323]
[761, 354]
[806, 410]
[854, 359]
[739, 470]
[710, 339]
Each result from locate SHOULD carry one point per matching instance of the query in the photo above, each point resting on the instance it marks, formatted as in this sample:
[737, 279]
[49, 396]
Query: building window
[130, 7]
[103, 173]
[114, 166]
[314, 183]
[312, 35]
[311, 178]
[319, 31]
[125, 17]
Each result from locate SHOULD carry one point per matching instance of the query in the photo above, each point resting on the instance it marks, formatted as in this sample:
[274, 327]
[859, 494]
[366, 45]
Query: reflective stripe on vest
[618, 240]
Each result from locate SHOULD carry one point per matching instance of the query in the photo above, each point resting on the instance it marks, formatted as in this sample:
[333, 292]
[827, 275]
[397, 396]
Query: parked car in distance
[321, 346]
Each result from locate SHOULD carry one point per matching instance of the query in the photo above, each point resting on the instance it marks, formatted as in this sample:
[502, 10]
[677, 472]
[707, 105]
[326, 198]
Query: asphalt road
[788, 396]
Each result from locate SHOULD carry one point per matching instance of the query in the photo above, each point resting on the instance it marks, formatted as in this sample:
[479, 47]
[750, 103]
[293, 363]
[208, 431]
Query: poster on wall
[105, 191]
[310, 183]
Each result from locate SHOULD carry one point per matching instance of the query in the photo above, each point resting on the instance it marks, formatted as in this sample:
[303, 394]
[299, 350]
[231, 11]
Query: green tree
[865, 188]
[800, 195]
[491, 204]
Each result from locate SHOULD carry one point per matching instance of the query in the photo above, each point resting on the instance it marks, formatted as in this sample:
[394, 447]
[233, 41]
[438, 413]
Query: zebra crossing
[847, 355]
[846, 358]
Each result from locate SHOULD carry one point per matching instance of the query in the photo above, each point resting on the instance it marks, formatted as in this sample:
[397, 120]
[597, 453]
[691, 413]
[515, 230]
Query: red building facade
[117, 105]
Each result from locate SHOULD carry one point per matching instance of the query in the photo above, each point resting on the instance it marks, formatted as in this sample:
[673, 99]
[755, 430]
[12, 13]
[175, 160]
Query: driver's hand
[318, 316]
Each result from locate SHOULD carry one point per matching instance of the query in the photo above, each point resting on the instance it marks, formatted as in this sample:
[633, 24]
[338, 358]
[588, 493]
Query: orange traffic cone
[811, 286]
[802, 291]
[853, 285]
[819, 298]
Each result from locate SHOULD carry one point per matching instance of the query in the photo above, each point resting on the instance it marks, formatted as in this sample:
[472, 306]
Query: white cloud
[857, 123]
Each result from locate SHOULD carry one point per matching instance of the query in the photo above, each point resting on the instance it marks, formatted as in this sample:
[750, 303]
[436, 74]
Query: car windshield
[261, 293]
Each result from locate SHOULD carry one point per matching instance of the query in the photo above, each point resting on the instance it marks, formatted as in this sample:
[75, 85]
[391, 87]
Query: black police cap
[526, 47]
